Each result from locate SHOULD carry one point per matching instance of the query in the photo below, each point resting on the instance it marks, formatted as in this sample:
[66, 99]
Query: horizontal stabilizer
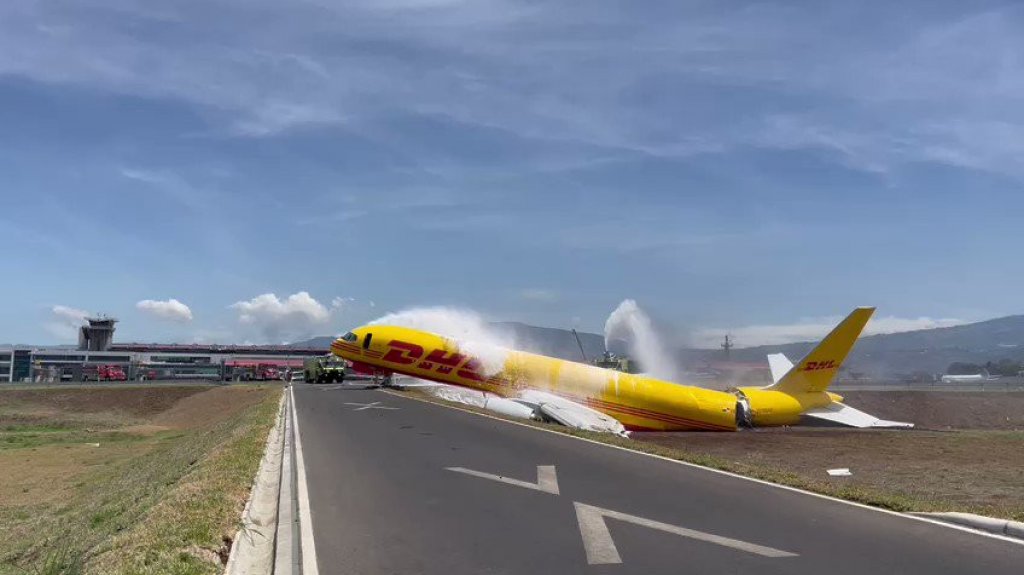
[844, 414]
[780, 365]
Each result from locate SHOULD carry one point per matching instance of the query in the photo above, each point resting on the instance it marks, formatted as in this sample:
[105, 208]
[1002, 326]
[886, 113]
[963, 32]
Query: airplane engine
[764, 407]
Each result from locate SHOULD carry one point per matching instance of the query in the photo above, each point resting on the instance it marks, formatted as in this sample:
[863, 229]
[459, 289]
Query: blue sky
[758, 168]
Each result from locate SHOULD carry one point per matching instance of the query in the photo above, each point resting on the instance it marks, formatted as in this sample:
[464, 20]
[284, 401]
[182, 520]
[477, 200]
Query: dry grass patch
[152, 498]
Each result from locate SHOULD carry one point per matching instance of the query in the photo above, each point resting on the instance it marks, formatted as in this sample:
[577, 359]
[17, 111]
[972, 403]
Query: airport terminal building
[140, 361]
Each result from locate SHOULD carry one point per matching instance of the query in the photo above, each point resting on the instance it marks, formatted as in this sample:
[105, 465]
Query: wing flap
[837, 412]
[572, 414]
[474, 398]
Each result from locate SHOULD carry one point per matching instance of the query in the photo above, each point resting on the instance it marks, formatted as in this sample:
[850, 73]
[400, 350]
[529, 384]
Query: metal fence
[1003, 384]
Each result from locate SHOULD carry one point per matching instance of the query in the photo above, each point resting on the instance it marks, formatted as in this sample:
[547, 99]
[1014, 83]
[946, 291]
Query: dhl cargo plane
[595, 398]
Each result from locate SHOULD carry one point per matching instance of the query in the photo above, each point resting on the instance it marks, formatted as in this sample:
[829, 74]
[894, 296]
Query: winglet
[818, 368]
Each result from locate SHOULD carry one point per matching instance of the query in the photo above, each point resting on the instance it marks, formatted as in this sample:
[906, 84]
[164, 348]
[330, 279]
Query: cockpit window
[349, 337]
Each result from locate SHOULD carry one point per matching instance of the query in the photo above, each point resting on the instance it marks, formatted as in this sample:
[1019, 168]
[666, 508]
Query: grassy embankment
[127, 480]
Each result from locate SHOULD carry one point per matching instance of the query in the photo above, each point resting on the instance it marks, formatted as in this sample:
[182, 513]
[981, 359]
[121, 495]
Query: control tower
[98, 335]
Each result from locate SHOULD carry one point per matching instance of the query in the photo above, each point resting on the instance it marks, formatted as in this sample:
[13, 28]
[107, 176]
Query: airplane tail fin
[818, 368]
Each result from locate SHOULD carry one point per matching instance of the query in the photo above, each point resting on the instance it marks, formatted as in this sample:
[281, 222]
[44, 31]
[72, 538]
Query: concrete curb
[252, 551]
[979, 522]
[286, 550]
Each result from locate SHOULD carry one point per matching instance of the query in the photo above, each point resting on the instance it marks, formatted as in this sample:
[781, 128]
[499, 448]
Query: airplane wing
[530, 402]
[572, 414]
[837, 412]
[488, 401]
[780, 366]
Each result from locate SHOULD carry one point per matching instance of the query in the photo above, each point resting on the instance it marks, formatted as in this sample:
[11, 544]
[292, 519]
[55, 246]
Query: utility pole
[727, 346]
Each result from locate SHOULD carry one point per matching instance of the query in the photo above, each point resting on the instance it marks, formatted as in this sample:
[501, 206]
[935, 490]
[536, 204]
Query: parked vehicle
[325, 369]
[103, 373]
[267, 372]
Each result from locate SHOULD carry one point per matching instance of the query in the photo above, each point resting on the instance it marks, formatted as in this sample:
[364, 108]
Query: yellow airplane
[601, 399]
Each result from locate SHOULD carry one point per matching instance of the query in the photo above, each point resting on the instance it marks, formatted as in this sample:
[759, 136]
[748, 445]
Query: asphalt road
[382, 501]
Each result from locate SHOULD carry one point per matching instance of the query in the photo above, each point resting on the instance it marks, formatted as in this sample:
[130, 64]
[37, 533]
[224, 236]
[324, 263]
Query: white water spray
[472, 334]
[629, 323]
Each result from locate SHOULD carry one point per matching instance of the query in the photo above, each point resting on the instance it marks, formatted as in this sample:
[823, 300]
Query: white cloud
[539, 294]
[65, 322]
[171, 309]
[70, 315]
[339, 303]
[927, 85]
[299, 315]
[811, 330]
[171, 186]
[332, 218]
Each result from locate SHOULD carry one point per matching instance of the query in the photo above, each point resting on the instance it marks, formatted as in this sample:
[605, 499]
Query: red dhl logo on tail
[439, 361]
[819, 365]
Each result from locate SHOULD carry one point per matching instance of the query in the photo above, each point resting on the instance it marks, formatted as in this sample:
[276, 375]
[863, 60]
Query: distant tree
[1006, 368]
[963, 368]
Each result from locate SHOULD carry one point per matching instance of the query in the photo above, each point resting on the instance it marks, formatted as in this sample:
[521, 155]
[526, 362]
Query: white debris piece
[840, 472]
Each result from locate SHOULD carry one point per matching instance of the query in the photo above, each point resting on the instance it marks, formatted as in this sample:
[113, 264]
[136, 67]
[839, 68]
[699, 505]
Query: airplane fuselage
[636, 402]
[639, 402]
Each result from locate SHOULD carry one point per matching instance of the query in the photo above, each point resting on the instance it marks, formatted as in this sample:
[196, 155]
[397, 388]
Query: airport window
[5, 357]
[22, 365]
[109, 358]
[57, 357]
[366, 342]
[181, 359]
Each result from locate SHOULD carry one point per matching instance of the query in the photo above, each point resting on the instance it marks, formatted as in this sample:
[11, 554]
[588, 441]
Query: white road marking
[306, 545]
[365, 406]
[600, 547]
[918, 518]
[547, 479]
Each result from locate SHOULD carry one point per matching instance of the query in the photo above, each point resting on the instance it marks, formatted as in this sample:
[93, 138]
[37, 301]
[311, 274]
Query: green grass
[63, 560]
[194, 519]
[23, 439]
[168, 504]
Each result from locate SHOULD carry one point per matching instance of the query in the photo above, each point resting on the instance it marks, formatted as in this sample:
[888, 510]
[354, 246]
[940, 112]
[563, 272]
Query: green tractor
[326, 369]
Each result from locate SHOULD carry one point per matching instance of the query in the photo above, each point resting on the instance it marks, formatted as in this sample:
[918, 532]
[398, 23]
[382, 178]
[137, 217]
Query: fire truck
[267, 372]
[103, 373]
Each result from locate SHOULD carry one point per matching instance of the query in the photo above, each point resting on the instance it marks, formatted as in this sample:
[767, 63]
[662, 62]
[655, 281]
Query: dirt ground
[966, 454]
[49, 437]
[215, 404]
[127, 404]
[944, 409]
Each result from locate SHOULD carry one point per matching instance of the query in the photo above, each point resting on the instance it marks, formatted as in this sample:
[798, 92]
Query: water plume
[468, 329]
[629, 323]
